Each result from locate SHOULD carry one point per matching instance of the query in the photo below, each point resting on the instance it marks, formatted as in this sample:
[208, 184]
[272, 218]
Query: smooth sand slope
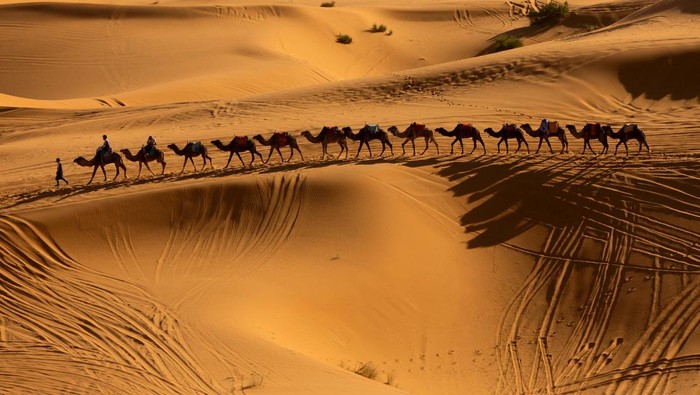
[493, 273]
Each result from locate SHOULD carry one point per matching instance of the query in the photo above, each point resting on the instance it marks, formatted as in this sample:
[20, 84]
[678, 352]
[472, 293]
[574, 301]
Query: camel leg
[452, 147]
[183, 166]
[647, 145]
[104, 173]
[94, 170]
[347, 150]
[140, 164]
[617, 145]
[538, 146]
[413, 144]
[584, 147]
[323, 150]
[238, 154]
[116, 167]
[291, 153]
[427, 141]
[228, 162]
[627, 151]
[499, 145]
[300, 154]
[519, 144]
[280, 153]
[474, 147]
[149, 168]
[391, 147]
[369, 148]
[358, 150]
[193, 165]
[270, 154]
[461, 145]
[526, 146]
[342, 148]
[162, 162]
[550, 145]
[505, 140]
[403, 147]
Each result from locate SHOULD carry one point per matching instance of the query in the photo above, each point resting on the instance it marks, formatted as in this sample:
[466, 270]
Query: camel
[463, 130]
[508, 131]
[328, 135]
[554, 130]
[412, 132]
[626, 133]
[366, 134]
[95, 162]
[191, 150]
[590, 131]
[143, 159]
[239, 144]
[278, 140]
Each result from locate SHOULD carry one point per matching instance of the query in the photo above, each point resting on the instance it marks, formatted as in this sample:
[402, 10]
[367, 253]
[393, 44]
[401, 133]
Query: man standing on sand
[59, 172]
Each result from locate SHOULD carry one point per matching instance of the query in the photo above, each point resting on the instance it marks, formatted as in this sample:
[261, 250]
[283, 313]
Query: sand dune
[487, 273]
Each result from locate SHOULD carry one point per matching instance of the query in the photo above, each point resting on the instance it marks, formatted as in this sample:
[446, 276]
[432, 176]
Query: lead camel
[112, 157]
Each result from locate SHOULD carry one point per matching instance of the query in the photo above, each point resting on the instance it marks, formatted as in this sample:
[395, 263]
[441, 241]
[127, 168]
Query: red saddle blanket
[240, 140]
[553, 127]
[418, 127]
[595, 130]
[281, 138]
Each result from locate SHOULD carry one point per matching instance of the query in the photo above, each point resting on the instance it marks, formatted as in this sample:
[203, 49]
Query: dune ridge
[453, 274]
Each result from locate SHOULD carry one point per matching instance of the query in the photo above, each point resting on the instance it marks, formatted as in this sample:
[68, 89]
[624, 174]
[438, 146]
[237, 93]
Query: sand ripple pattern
[613, 296]
[67, 329]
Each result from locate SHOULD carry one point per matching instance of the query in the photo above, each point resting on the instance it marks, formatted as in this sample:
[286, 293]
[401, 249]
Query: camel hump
[241, 140]
[419, 126]
[466, 125]
[629, 127]
[282, 137]
[195, 146]
[373, 128]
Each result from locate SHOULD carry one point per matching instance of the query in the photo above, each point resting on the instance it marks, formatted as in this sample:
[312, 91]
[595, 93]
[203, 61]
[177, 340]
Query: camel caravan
[330, 135]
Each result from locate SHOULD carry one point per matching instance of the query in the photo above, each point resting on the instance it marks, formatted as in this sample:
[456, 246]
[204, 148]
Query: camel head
[172, 147]
[258, 137]
[525, 126]
[393, 129]
[305, 133]
[347, 130]
[608, 130]
[217, 143]
[441, 130]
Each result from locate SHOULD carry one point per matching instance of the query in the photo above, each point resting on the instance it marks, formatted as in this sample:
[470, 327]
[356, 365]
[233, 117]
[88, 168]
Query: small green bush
[377, 28]
[328, 4]
[343, 39]
[506, 42]
[549, 14]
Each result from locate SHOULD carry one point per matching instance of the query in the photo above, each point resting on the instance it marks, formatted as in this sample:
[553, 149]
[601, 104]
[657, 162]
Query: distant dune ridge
[435, 274]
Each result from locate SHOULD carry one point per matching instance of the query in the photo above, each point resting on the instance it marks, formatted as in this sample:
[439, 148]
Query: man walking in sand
[59, 172]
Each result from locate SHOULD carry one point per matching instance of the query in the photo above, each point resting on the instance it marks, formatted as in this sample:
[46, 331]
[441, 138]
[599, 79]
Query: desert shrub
[328, 4]
[389, 33]
[377, 28]
[391, 379]
[367, 370]
[343, 39]
[549, 14]
[506, 42]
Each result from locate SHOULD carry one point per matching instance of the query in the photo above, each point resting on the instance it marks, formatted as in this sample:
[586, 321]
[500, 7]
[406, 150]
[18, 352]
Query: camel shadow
[507, 196]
